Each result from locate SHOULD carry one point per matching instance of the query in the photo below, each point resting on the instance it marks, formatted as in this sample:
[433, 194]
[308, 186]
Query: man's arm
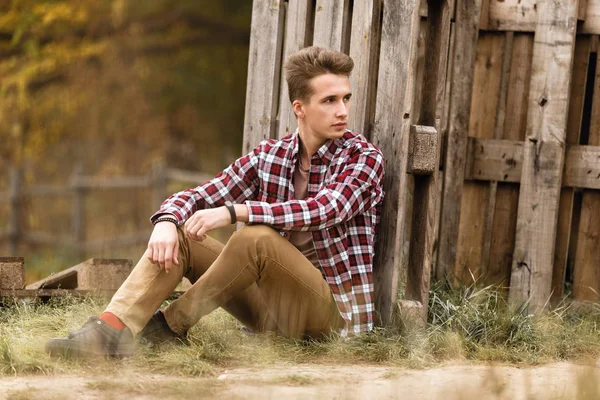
[354, 191]
[236, 183]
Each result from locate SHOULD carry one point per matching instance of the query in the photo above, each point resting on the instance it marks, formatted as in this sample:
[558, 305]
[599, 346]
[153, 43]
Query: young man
[302, 266]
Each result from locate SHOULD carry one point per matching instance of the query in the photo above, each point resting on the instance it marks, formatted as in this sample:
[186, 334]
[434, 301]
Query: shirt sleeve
[237, 183]
[354, 191]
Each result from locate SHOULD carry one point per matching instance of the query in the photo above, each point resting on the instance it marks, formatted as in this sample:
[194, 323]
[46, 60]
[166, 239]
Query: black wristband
[165, 219]
[231, 209]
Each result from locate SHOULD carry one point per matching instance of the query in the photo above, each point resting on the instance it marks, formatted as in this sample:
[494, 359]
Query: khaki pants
[258, 277]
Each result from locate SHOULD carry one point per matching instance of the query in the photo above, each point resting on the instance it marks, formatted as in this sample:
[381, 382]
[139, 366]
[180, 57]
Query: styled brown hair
[311, 62]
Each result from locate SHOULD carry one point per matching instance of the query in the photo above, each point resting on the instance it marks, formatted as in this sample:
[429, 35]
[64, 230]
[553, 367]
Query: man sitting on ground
[302, 266]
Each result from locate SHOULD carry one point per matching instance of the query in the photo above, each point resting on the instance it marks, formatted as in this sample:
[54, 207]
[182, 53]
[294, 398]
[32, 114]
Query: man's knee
[254, 233]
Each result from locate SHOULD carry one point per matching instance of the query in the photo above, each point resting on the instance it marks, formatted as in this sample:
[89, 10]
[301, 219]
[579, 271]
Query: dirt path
[554, 381]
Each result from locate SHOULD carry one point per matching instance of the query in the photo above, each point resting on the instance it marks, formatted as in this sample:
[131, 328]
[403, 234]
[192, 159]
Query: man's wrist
[241, 211]
[166, 218]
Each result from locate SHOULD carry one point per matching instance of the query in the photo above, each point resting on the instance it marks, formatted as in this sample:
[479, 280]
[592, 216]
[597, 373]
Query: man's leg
[148, 286]
[296, 295]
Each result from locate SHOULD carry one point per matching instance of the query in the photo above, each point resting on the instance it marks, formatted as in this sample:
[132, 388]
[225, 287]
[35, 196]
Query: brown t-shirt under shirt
[303, 239]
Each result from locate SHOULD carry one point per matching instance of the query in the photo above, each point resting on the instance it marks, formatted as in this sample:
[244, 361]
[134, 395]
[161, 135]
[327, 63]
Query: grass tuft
[464, 323]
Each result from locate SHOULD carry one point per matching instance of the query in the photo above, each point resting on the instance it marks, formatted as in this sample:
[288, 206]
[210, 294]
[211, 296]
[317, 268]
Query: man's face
[325, 115]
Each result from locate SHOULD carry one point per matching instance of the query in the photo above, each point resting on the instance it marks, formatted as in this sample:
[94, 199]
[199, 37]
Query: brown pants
[258, 277]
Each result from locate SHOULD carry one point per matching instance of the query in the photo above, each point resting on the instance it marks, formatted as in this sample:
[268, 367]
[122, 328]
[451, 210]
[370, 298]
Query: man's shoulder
[356, 142]
[284, 143]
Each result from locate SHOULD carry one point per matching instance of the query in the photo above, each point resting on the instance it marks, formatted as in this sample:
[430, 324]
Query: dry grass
[473, 324]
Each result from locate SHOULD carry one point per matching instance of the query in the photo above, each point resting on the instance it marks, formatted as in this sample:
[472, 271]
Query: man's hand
[163, 246]
[204, 221]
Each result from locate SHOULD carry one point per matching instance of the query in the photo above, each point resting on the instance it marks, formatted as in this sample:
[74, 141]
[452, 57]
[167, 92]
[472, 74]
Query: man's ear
[298, 108]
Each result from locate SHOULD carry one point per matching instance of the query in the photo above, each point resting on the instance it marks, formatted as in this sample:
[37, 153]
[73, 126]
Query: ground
[286, 381]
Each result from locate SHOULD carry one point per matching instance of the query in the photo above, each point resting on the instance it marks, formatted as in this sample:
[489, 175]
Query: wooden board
[502, 240]
[513, 15]
[395, 88]
[521, 15]
[264, 62]
[592, 18]
[12, 272]
[502, 160]
[297, 17]
[494, 160]
[586, 278]
[363, 50]
[498, 133]
[461, 77]
[329, 23]
[475, 198]
[426, 187]
[531, 276]
[583, 5]
[565, 211]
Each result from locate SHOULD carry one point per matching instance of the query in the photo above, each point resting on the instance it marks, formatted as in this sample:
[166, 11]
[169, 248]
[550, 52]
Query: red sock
[112, 320]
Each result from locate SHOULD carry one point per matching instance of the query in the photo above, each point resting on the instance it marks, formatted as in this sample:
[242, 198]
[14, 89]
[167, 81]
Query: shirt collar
[325, 152]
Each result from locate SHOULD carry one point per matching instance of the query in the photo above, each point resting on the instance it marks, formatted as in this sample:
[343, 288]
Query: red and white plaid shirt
[342, 209]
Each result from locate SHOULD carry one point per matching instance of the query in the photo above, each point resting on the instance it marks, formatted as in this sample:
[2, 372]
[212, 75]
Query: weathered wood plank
[502, 161]
[494, 160]
[485, 15]
[591, 24]
[329, 23]
[586, 277]
[12, 272]
[264, 62]
[582, 167]
[507, 194]
[462, 77]
[295, 38]
[513, 15]
[391, 132]
[498, 134]
[565, 211]
[426, 187]
[363, 50]
[475, 198]
[583, 4]
[521, 15]
[541, 179]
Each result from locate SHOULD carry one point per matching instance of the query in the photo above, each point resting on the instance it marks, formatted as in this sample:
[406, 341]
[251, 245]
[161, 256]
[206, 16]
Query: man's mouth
[340, 124]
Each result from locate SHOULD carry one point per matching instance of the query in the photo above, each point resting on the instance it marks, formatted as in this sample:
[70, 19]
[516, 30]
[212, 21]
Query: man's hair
[309, 63]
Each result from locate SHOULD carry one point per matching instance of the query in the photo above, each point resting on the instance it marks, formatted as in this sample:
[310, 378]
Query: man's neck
[308, 147]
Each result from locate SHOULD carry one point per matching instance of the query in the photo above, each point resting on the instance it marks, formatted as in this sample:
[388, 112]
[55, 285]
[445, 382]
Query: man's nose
[342, 109]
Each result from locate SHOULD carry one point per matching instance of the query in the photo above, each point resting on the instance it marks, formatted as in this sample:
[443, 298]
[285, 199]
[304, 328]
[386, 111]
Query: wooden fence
[81, 186]
[510, 88]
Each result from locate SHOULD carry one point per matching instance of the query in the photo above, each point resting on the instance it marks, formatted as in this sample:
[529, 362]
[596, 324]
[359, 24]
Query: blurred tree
[113, 86]
[118, 84]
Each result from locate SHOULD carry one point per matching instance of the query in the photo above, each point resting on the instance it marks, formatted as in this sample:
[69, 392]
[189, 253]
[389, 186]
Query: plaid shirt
[342, 209]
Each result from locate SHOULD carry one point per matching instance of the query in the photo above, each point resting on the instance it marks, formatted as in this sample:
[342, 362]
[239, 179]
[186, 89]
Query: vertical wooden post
[463, 68]
[586, 274]
[159, 183]
[329, 24]
[498, 133]
[395, 89]
[425, 191]
[296, 37]
[544, 151]
[514, 128]
[363, 50]
[14, 211]
[78, 209]
[264, 63]
[581, 61]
